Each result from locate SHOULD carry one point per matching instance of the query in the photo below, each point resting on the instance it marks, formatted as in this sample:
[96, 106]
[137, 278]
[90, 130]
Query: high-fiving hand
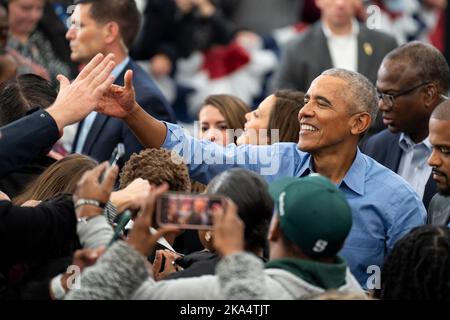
[119, 102]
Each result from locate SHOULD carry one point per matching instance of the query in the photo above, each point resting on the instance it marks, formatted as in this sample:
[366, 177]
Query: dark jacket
[106, 132]
[23, 140]
[196, 264]
[384, 147]
[16, 182]
[35, 245]
[168, 31]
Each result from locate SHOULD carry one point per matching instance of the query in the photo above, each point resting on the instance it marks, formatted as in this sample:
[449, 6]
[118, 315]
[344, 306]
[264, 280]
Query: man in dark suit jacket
[110, 27]
[412, 81]
[336, 41]
[312, 52]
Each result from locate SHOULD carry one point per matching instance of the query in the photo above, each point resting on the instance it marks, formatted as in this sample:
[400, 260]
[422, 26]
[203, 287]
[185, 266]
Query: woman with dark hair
[418, 267]
[277, 114]
[60, 177]
[22, 94]
[219, 113]
[249, 192]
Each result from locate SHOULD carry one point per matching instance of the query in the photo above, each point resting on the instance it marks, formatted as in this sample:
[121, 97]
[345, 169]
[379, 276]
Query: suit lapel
[77, 135]
[322, 49]
[394, 153]
[100, 119]
[365, 51]
[95, 130]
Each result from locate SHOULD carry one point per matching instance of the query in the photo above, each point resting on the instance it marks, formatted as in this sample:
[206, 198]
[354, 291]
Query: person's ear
[111, 31]
[430, 94]
[360, 123]
[274, 230]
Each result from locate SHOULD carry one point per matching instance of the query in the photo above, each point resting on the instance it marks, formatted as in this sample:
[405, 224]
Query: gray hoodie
[122, 274]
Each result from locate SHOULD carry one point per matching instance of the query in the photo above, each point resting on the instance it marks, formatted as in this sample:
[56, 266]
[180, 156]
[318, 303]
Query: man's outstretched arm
[120, 102]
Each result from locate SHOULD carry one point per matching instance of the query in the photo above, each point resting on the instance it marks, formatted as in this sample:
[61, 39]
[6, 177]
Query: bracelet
[89, 202]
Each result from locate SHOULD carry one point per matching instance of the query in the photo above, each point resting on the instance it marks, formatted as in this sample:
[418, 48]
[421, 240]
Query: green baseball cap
[313, 214]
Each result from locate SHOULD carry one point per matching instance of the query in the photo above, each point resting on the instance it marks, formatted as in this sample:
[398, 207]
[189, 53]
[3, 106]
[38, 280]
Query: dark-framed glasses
[388, 99]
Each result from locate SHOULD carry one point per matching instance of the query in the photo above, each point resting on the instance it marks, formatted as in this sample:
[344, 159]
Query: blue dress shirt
[384, 206]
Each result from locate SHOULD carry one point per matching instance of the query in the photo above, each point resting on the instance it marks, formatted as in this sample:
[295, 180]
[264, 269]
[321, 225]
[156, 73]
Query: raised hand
[77, 99]
[169, 264]
[140, 236]
[131, 196]
[4, 197]
[228, 230]
[82, 259]
[119, 102]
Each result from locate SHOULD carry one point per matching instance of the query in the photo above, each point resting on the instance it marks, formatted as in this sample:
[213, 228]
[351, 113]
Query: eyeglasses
[389, 99]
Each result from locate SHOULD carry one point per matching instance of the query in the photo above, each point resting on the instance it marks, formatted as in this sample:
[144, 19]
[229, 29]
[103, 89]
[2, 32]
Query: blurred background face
[213, 126]
[24, 15]
[440, 158]
[337, 13]
[200, 205]
[257, 120]
[85, 35]
[4, 28]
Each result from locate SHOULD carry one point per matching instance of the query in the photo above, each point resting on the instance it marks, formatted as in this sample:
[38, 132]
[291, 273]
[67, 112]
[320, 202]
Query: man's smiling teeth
[307, 127]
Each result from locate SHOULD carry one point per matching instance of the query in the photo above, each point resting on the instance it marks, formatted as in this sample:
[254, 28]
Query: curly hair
[157, 166]
[418, 267]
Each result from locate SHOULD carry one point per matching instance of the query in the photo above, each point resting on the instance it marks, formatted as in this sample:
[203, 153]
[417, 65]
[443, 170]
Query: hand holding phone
[118, 153]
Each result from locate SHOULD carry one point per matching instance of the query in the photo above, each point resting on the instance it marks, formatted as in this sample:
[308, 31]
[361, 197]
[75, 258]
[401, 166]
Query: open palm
[119, 102]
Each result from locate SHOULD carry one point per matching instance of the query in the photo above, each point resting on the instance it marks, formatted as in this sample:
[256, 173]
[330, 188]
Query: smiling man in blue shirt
[339, 108]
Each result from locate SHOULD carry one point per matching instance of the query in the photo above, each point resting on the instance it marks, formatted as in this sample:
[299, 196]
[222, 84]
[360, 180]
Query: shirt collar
[355, 177]
[406, 143]
[120, 67]
[329, 34]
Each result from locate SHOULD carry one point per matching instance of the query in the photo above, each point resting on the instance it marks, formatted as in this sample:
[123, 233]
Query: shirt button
[42, 115]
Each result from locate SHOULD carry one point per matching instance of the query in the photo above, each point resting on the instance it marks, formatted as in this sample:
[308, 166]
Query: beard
[443, 191]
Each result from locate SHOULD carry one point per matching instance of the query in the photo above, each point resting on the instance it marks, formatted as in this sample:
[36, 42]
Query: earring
[208, 236]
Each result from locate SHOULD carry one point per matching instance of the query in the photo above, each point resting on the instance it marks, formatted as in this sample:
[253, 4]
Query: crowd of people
[336, 186]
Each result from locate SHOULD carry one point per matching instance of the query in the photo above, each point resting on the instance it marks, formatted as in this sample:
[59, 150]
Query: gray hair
[360, 93]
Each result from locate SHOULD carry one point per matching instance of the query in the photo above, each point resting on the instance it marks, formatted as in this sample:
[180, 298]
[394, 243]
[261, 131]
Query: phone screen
[187, 211]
